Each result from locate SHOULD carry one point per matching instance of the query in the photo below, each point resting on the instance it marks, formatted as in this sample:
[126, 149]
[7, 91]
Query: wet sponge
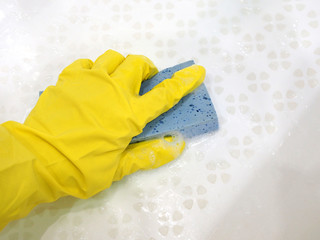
[192, 116]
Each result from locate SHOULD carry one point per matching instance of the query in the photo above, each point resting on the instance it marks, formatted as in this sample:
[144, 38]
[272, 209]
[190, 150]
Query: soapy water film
[262, 62]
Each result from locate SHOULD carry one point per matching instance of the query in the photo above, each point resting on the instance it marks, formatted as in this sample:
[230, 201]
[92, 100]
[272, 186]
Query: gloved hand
[76, 139]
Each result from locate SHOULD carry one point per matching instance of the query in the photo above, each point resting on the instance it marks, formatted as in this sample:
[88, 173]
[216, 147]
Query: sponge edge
[192, 116]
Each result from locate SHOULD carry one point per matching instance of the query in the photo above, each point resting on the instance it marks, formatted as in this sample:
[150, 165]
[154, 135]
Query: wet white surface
[257, 178]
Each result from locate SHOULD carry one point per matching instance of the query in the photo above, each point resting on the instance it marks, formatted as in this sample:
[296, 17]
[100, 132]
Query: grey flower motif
[290, 5]
[263, 123]
[241, 147]
[285, 100]
[79, 14]
[250, 7]
[317, 53]
[207, 8]
[121, 12]
[186, 27]
[299, 39]
[209, 46]
[119, 225]
[165, 48]
[142, 30]
[279, 60]
[146, 203]
[274, 22]
[195, 196]
[218, 84]
[164, 10]
[258, 81]
[230, 25]
[233, 63]
[313, 19]
[171, 222]
[306, 78]
[251, 43]
[57, 34]
[218, 171]
[234, 105]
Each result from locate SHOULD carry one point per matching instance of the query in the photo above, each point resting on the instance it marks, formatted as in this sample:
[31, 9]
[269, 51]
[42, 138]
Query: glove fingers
[108, 61]
[149, 155]
[168, 93]
[133, 70]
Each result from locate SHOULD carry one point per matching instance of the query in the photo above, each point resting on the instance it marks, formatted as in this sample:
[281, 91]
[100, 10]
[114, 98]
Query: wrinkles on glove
[76, 139]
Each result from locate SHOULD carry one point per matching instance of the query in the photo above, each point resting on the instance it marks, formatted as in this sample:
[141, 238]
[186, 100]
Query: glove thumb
[149, 154]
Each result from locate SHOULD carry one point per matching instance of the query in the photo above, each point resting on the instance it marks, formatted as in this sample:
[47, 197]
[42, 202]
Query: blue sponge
[192, 116]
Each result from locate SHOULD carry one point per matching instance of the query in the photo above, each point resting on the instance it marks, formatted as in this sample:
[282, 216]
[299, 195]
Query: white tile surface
[257, 178]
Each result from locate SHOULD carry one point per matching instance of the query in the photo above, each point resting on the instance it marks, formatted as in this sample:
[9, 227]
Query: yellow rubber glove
[76, 139]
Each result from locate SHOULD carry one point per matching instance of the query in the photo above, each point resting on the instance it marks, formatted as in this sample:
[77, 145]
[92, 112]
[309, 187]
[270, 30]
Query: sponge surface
[192, 116]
